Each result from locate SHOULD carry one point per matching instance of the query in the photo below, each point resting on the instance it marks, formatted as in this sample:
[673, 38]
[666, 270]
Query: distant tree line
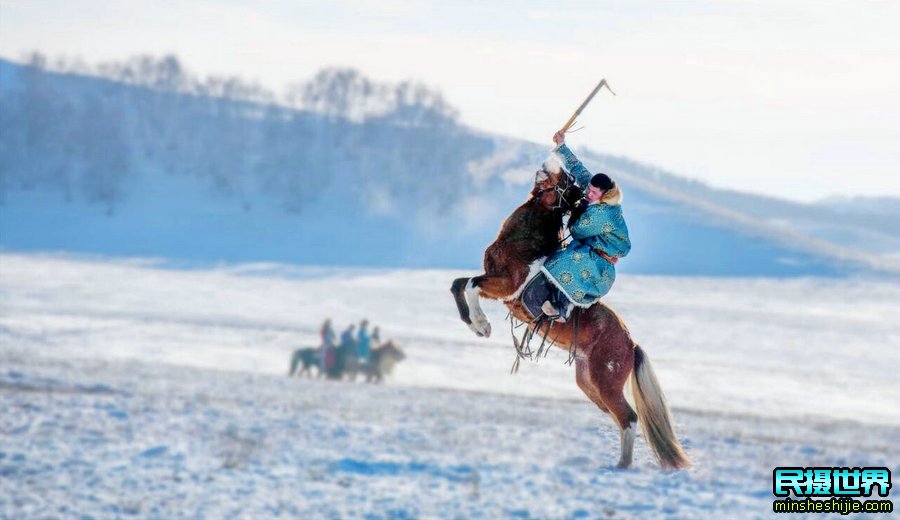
[87, 131]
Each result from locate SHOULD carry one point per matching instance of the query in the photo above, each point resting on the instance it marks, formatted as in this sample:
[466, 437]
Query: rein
[560, 190]
[523, 346]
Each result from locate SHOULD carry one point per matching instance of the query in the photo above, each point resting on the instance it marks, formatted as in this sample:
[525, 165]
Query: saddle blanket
[535, 290]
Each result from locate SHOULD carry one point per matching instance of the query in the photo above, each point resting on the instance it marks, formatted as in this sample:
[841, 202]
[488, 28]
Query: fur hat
[612, 196]
[602, 181]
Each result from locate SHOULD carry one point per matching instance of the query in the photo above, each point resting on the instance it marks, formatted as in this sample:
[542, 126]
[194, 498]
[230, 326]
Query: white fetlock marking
[627, 447]
[480, 324]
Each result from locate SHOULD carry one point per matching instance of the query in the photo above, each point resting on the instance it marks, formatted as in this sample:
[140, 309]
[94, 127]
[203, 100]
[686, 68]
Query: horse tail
[653, 414]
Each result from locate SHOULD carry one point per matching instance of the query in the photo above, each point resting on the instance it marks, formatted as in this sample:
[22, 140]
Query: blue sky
[798, 99]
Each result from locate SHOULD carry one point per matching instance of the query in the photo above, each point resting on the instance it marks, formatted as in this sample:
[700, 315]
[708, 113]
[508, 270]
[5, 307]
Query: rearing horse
[605, 355]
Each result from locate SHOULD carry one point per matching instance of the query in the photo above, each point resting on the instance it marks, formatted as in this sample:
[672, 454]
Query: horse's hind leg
[583, 380]
[606, 392]
[609, 377]
[625, 416]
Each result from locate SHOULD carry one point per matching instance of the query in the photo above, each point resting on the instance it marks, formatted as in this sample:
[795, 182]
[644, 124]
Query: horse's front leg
[458, 289]
[466, 292]
[494, 287]
[486, 286]
[466, 295]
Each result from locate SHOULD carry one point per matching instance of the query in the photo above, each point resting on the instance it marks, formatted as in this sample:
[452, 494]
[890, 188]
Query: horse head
[393, 352]
[555, 189]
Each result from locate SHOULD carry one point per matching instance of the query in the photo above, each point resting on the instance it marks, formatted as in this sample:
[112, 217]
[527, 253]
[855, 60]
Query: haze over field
[794, 99]
[151, 160]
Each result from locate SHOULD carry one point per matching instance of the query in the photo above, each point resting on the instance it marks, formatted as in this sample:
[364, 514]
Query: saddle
[539, 290]
[536, 292]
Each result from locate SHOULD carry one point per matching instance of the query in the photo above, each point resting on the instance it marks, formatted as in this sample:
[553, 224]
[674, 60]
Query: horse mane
[531, 224]
[387, 346]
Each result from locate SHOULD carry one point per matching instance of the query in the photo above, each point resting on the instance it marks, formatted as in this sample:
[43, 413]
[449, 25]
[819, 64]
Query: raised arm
[571, 163]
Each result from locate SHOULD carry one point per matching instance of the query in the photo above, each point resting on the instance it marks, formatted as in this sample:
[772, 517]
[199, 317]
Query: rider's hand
[559, 138]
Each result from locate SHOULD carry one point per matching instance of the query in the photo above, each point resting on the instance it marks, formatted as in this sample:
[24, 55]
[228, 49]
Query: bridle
[565, 182]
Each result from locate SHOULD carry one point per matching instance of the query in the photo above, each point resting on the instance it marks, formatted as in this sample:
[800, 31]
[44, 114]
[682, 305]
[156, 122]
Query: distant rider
[328, 337]
[348, 340]
[363, 342]
[376, 336]
[348, 337]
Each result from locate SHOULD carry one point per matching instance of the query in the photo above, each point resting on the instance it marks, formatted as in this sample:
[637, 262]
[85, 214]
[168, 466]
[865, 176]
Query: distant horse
[309, 357]
[346, 362]
[343, 362]
[382, 361]
[341, 359]
[605, 355]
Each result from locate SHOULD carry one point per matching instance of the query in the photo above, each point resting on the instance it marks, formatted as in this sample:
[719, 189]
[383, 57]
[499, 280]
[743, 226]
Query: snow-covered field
[136, 388]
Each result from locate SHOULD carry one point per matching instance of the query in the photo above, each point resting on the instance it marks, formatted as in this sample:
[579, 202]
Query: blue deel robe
[577, 269]
[363, 344]
[327, 343]
[328, 336]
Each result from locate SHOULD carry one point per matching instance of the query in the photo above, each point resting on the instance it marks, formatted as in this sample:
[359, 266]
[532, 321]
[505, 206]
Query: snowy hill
[149, 161]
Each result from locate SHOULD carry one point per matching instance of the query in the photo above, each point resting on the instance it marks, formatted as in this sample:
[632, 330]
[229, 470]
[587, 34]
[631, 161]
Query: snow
[142, 389]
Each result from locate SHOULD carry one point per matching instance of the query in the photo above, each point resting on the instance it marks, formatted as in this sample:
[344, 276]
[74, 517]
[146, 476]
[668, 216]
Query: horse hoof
[484, 326]
[474, 328]
[481, 328]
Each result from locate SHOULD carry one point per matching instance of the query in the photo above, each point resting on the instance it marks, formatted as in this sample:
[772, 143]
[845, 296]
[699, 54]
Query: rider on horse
[606, 357]
[584, 270]
[328, 337]
[363, 342]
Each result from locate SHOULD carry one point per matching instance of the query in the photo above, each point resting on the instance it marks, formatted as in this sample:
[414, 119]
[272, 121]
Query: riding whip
[571, 120]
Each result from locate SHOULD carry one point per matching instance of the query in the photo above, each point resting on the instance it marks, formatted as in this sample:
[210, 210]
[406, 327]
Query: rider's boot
[555, 314]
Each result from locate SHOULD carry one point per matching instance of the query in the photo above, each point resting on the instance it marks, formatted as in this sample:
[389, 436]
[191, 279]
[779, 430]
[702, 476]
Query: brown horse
[605, 355]
[382, 361]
